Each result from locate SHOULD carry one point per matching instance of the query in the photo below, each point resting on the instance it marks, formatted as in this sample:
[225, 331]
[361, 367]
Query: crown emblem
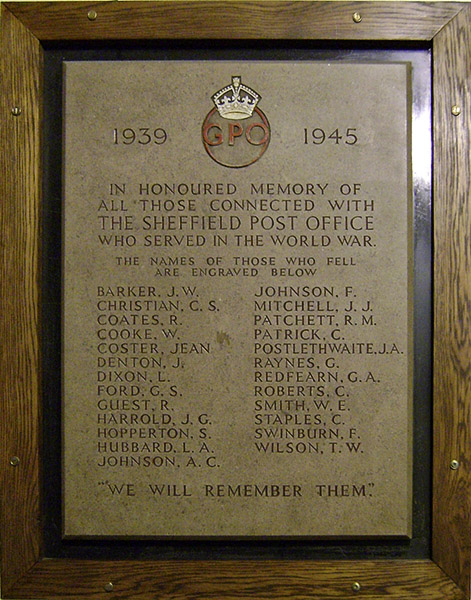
[236, 101]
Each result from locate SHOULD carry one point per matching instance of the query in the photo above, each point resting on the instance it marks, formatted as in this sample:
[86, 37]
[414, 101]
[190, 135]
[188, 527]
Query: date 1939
[142, 135]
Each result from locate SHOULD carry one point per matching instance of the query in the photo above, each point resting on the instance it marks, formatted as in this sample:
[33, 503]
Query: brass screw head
[454, 465]
[109, 587]
[356, 17]
[16, 111]
[356, 587]
[455, 110]
[14, 461]
[92, 15]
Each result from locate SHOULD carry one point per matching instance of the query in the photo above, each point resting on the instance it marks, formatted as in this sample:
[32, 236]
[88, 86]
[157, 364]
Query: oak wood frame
[25, 572]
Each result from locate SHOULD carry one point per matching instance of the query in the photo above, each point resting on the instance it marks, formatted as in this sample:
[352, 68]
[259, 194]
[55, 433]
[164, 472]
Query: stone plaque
[237, 299]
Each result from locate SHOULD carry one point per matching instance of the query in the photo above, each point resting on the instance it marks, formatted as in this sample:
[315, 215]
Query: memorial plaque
[237, 299]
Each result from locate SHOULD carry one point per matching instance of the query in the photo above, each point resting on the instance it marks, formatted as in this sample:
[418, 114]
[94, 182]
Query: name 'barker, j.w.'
[236, 133]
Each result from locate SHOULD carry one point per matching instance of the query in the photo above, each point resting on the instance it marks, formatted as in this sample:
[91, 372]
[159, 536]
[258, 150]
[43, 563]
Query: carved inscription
[236, 342]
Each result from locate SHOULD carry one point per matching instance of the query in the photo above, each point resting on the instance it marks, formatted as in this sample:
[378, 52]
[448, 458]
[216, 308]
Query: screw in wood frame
[356, 587]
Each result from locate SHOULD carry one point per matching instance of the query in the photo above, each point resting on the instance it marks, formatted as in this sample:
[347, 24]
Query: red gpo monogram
[236, 132]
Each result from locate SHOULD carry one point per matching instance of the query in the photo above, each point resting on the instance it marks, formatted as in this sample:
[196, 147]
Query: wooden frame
[25, 572]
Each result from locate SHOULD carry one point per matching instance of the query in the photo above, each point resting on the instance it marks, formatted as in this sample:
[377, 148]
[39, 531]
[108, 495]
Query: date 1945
[319, 136]
[142, 135]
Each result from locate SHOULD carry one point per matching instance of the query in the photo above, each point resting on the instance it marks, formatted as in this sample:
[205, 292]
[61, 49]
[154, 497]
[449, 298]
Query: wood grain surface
[452, 355]
[20, 184]
[241, 580]
[235, 20]
[25, 573]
